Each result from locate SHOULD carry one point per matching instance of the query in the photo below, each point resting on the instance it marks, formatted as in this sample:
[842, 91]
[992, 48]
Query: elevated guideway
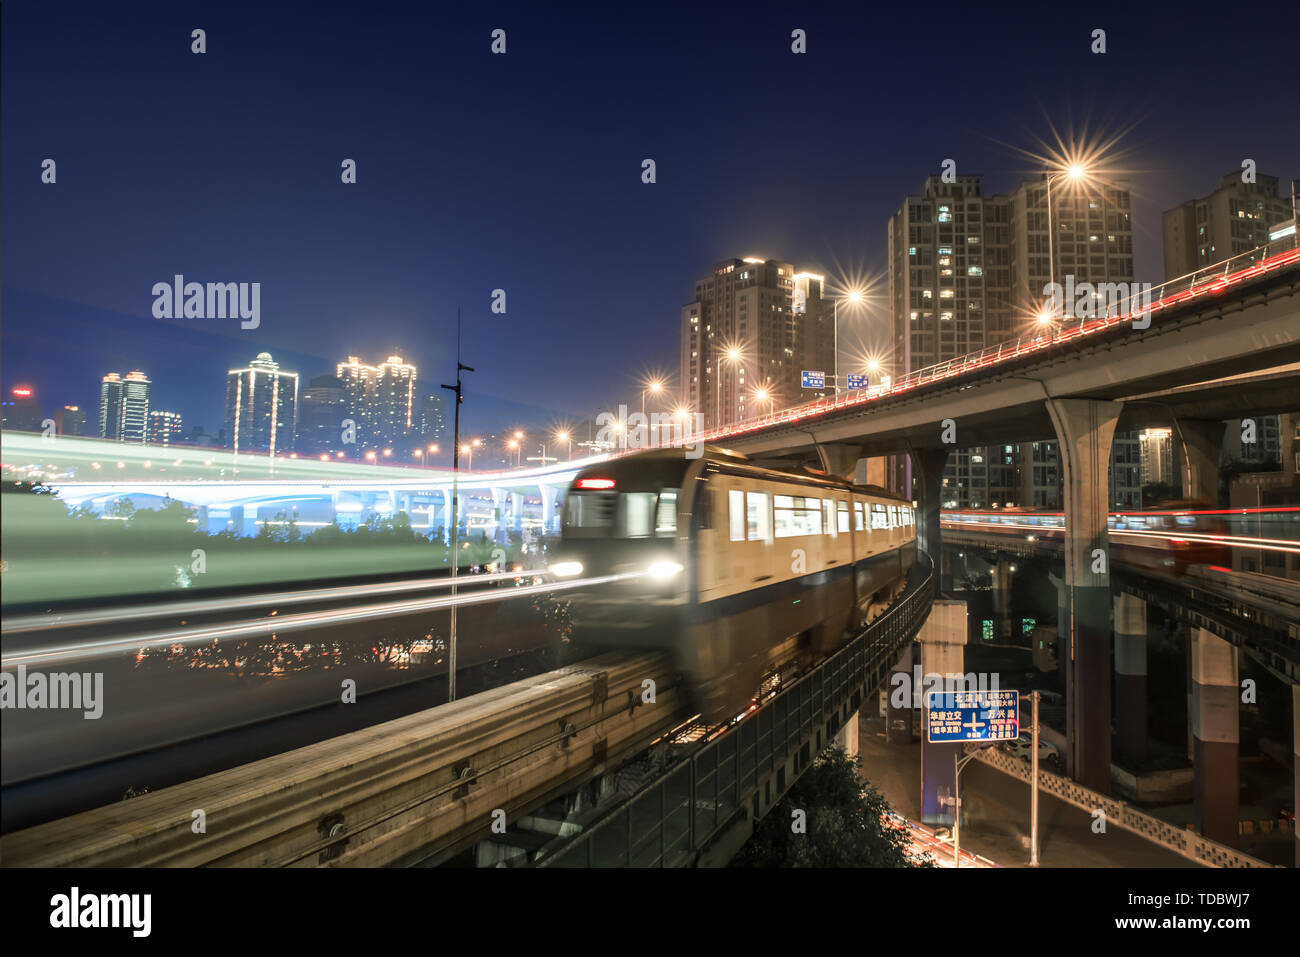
[423, 788]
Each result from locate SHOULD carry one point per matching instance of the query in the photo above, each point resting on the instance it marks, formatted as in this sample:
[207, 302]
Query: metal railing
[671, 820]
[1210, 279]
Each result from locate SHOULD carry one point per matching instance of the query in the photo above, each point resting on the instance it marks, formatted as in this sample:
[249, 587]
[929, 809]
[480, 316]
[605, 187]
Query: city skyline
[93, 257]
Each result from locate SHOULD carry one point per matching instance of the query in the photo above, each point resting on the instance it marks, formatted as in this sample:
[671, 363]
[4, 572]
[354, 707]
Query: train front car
[621, 529]
[743, 574]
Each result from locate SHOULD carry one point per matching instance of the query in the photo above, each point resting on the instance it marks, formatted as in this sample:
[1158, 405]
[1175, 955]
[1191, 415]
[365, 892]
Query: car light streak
[278, 625]
[48, 622]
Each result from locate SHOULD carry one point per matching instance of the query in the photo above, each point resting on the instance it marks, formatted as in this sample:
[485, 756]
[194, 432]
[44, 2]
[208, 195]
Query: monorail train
[737, 571]
[1170, 538]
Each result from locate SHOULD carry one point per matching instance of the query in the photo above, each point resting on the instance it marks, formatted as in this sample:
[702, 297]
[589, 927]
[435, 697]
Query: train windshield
[609, 514]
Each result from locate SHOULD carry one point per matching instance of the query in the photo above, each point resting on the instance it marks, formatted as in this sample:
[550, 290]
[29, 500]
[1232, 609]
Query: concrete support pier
[1215, 735]
[1002, 597]
[847, 736]
[1085, 428]
[927, 469]
[1198, 444]
[1130, 680]
[943, 652]
[899, 700]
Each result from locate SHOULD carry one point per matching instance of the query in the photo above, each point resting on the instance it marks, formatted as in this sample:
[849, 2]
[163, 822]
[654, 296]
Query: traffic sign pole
[1033, 792]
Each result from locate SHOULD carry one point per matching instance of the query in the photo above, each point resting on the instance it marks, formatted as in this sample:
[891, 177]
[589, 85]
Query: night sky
[523, 171]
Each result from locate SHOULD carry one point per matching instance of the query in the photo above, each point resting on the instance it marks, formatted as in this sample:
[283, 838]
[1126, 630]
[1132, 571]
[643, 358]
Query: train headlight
[662, 570]
[566, 569]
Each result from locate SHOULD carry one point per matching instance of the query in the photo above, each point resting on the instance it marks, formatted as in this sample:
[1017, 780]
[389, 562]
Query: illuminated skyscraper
[261, 407]
[135, 407]
[124, 407]
[110, 406]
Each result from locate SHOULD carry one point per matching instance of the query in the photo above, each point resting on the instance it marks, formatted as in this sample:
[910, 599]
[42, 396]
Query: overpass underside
[1229, 354]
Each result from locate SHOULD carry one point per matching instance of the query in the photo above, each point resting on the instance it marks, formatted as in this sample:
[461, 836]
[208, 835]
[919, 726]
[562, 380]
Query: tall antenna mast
[455, 508]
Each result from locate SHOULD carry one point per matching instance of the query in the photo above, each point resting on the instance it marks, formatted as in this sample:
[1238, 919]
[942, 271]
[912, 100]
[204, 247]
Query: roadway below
[996, 823]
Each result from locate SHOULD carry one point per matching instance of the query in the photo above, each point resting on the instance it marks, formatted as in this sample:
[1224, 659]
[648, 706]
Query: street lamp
[468, 449]
[854, 296]
[514, 444]
[1074, 172]
[763, 394]
[733, 356]
[568, 442]
[655, 386]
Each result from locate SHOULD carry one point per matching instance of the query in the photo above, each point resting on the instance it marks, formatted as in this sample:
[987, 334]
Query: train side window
[666, 515]
[842, 516]
[879, 519]
[828, 516]
[795, 515]
[757, 517]
[857, 517]
[736, 506]
[893, 517]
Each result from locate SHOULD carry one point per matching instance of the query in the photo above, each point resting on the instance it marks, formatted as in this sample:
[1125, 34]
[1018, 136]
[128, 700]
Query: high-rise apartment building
[950, 294]
[71, 420]
[1234, 218]
[21, 412]
[322, 408]
[814, 320]
[968, 270]
[738, 336]
[395, 416]
[261, 407]
[433, 422]
[754, 326]
[164, 427]
[359, 383]
[1157, 465]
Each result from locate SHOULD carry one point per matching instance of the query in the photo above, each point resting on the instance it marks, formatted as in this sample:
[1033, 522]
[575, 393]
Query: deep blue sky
[522, 171]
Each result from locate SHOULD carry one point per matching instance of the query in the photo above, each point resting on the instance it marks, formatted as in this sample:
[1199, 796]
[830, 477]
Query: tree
[845, 823]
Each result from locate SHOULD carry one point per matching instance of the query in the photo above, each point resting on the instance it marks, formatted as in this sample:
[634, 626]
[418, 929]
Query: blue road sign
[857, 381]
[814, 380]
[973, 715]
